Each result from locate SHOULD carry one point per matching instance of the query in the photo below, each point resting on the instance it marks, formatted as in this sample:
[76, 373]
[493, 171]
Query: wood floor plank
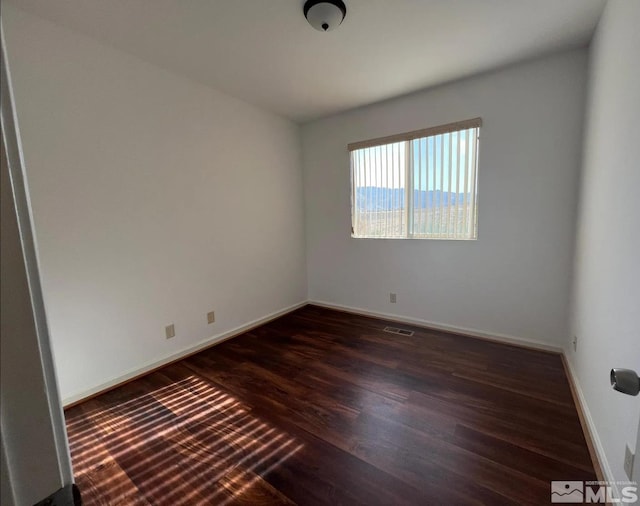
[536, 465]
[545, 442]
[322, 407]
[108, 485]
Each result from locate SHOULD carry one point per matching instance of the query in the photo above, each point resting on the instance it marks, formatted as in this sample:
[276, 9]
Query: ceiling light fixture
[325, 15]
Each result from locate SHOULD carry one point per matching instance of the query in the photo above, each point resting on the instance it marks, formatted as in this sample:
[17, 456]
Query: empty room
[277, 252]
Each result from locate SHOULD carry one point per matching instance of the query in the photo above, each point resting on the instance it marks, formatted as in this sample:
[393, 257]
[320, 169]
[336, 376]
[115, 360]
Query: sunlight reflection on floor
[185, 443]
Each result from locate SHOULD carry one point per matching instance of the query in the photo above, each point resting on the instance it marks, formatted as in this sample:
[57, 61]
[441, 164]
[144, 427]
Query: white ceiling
[264, 52]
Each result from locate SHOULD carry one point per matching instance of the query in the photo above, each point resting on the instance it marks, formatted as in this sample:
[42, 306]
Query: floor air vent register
[396, 330]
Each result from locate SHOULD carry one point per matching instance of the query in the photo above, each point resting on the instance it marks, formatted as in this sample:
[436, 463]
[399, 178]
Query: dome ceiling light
[325, 15]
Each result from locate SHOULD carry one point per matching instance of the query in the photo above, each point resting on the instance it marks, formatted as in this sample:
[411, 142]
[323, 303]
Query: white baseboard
[180, 354]
[591, 426]
[490, 336]
[150, 366]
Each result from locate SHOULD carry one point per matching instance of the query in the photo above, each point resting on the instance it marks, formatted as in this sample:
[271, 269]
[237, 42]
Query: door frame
[15, 163]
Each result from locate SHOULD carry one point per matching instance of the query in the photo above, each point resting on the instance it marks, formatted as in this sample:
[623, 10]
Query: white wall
[514, 280]
[155, 200]
[606, 293]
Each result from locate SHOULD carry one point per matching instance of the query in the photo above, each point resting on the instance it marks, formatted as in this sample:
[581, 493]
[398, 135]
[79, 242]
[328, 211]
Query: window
[417, 185]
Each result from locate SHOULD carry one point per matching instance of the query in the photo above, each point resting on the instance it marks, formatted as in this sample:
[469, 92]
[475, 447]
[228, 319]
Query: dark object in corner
[66, 496]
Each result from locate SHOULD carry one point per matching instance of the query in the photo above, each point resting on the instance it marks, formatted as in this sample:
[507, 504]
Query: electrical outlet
[575, 343]
[628, 461]
[211, 317]
[170, 331]
[392, 298]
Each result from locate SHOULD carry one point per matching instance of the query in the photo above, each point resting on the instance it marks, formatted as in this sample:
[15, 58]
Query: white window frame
[468, 233]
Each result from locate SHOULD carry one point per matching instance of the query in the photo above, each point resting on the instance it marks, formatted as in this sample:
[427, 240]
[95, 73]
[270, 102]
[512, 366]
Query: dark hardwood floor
[323, 407]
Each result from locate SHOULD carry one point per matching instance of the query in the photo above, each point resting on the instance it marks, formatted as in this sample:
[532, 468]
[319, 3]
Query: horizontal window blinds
[419, 186]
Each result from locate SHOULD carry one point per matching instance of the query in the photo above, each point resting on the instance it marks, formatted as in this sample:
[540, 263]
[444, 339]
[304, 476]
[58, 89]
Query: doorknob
[625, 381]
